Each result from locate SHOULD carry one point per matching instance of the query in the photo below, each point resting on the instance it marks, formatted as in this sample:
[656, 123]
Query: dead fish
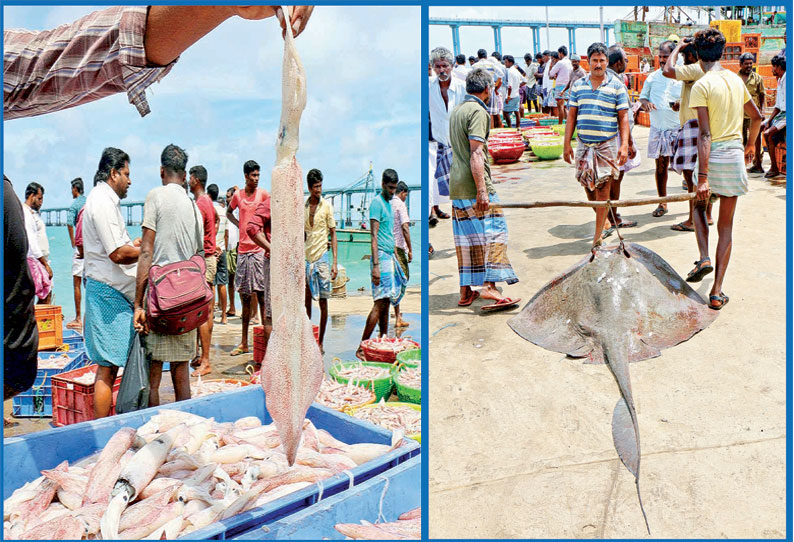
[154, 521]
[412, 514]
[135, 476]
[29, 512]
[157, 485]
[367, 532]
[643, 307]
[108, 466]
[61, 528]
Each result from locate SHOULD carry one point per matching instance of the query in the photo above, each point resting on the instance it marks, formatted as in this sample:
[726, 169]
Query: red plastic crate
[259, 341]
[73, 402]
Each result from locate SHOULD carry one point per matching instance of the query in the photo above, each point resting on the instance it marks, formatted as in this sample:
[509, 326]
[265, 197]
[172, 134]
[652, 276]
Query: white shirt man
[31, 229]
[104, 231]
[562, 70]
[439, 120]
[514, 79]
[460, 71]
[220, 237]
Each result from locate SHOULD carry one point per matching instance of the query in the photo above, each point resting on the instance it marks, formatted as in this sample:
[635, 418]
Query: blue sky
[222, 103]
[518, 41]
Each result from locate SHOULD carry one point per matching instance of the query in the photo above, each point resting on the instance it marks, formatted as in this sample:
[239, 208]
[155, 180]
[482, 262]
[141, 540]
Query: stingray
[620, 305]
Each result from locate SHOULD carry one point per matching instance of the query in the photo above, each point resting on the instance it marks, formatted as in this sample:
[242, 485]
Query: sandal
[722, 299]
[442, 214]
[238, 351]
[469, 300]
[681, 227]
[607, 232]
[702, 268]
[627, 224]
[659, 211]
[502, 304]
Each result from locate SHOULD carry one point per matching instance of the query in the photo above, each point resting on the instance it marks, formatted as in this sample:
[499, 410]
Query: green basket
[547, 152]
[559, 129]
[416, 436]
[410, 358]
[381, 386]
[405, 393]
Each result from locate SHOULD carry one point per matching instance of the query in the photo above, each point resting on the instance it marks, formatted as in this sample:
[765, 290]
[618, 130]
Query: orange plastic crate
[770, 82]
[49, 320]
[752, 42]
[73, 402]
[765, 70]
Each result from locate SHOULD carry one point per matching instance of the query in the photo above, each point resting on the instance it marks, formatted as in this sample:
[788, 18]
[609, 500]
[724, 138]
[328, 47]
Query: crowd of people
[705, 124]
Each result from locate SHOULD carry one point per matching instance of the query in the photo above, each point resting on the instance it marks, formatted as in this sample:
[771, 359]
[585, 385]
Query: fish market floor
[345, 324]
[520, 441]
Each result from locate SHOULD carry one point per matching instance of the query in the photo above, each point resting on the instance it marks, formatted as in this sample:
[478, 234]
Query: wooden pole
[619, 203]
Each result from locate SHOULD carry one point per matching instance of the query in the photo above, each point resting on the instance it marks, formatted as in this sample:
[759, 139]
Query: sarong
[481, 243]
[318, 277]
[443, 165]
[231, 261]
[402, 259]
[107, 325]
[685, 148]
[493, 103]
[661, 142]
[250, 276]
[727, 171]
[596, 163]
[42, 282]
[511, 106]
[392, 280]
[171, 348]
[550, 101]
[222, 273]
[630, 163]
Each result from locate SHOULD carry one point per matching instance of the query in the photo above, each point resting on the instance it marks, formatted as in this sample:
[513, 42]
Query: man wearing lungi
[445, 93]
[319, 224]
[513, 98]
[755, 86]
[719, 98]
[478, 222]
[496, 75]
[172, 232]
[532, 82]
[685, 148]
[251, 276]
[775, 125]
[78, 201]
[388, 280]
[657, 94]
[599, 107]
[110, 266]
[402, 241]
[561, 72]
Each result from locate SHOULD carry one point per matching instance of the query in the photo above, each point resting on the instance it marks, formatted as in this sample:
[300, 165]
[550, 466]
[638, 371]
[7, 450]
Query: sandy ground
[225, 338]
[520, 443]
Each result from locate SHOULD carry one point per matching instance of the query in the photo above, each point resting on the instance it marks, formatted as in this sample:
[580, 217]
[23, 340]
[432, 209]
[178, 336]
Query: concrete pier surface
[520, 442]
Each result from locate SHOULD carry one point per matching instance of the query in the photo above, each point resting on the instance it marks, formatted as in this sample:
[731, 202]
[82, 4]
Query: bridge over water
[534, 27]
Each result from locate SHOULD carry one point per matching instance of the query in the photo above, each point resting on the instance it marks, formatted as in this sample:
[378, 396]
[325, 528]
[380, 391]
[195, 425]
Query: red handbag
[179, 297]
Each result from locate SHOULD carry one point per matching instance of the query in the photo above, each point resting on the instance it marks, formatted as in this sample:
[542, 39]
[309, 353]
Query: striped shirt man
[96, 56]
[597, 116]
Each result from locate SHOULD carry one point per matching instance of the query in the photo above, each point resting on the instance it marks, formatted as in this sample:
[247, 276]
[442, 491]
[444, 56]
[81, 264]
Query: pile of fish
[338, 396]
[89, 377]
[402, 418]
[360, 373]
[177, 473]
[201, 388]
[407, 527]
[411, 378]
[390, 344]
[55, 362]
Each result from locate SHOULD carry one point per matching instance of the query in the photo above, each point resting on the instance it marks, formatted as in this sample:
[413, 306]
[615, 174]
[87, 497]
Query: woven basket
[380, 355]
[410, 358]
[416, 436]
[380, 386]
[406, 394]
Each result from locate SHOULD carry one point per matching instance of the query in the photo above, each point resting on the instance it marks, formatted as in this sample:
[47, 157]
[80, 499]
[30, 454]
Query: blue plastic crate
[33, 403]
[25, 456]
[392, 493]
[73, 339]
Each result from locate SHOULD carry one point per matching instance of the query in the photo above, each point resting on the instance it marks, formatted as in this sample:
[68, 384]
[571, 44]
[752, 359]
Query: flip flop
[238, 351]
[681, 227]
[607, 232]
[628, 224]
[701, 270]
[469, 300]
[503, 304]
[659, 211]
[722, 298]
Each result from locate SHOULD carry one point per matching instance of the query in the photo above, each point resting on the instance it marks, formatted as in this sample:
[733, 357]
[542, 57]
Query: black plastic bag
[134, 388]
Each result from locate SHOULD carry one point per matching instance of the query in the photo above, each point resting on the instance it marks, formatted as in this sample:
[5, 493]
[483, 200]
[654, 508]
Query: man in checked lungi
[719, 98]
[445, 93]
[598, 107]
[478, 222]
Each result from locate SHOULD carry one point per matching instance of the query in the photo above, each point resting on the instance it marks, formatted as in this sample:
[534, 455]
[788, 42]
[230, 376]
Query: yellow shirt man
[688, 73]
[317, 233]
[724, 92]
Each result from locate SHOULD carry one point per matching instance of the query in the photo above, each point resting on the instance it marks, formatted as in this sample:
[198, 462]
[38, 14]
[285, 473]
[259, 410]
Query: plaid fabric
[443, 164]
[96, 56]
[318, 277]
[107, 324]
[685, 148]
[402, 259]
[250, 276]
[171, 348]
[660, 142]
[727, 171]
[481, 243]
[596, 163]
[493, 103]
[392, 280]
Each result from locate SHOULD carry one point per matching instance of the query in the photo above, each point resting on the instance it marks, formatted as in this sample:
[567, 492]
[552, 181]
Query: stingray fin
[627, 443]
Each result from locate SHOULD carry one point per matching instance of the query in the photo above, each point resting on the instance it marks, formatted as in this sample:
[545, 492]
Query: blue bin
[73, 339]
[36, 402]
[394, 492]
[24, 457]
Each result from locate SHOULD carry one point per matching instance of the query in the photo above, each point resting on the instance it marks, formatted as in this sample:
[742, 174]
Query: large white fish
[293, 368]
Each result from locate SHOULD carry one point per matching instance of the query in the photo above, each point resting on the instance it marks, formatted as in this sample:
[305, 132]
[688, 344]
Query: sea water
[354, 256]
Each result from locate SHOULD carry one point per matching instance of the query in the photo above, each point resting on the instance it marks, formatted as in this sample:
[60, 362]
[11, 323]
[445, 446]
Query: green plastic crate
[381, 386]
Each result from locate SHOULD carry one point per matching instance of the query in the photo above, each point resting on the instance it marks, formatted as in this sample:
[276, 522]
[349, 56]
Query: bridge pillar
[455, 39]
[536, 39]
[497, 38]
[572, 40]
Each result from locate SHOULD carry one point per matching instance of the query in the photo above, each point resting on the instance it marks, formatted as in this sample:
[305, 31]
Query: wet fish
[107, 467]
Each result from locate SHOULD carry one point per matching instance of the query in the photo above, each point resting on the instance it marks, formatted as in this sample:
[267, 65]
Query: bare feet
[401, 323]
[490, 293]
[75, 324]
[203, 369]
